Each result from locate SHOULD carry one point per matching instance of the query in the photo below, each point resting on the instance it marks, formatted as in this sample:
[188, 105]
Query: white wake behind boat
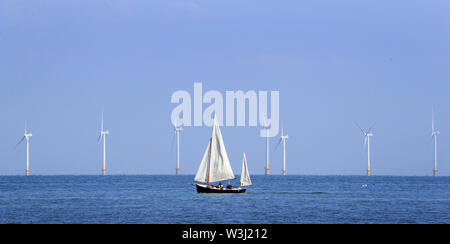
[215, 167]
[245, 175]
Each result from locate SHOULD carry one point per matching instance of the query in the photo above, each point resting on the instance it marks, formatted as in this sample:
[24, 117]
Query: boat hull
[208, 189]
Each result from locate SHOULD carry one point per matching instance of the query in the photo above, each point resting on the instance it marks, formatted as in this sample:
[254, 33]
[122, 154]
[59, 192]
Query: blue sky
[334, 62]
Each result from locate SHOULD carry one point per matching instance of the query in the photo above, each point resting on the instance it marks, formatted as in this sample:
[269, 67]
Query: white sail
[245, 176]
[215, 165]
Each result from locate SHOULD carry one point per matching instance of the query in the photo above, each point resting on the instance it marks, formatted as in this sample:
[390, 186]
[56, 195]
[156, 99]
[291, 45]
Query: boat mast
[209, 165]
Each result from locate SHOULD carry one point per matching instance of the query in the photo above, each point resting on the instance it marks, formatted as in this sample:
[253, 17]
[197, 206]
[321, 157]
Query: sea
[274, 199]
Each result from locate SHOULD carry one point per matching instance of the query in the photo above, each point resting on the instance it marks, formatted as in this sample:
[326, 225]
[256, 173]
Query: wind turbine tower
[434, 134]
[283, 139]
[267, 168]
[177, 132]
[103, 134]
[26, 136]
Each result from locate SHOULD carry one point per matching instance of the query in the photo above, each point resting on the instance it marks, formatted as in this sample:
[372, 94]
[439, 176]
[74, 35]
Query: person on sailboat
[229, 186]
[215, 165]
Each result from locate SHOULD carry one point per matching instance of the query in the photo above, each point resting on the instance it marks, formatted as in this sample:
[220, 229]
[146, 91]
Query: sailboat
[215, 167]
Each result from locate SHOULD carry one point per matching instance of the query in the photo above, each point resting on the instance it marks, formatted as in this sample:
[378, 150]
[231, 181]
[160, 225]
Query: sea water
[272, 199]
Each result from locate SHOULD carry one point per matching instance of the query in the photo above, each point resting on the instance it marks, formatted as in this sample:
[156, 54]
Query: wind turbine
[434, 134]
[177, 130]
[267, 168]
[283, 139]
[367, 135]
[26, 136]
[103, 134]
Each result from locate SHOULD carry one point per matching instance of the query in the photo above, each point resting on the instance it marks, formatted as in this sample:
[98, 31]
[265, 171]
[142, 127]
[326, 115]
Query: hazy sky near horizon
[334, 62]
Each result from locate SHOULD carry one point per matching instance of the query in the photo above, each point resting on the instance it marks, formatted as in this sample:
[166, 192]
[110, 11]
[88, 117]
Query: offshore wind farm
[434, 134]
[102, 136]
[26, 136]
[318, 113]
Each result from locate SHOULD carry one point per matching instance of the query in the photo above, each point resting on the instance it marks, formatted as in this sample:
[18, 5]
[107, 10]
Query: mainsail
[202, 173]
[215, 165]
[245, 176]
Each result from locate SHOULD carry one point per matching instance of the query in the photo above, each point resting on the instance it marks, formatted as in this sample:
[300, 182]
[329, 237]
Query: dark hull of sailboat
[208, 189]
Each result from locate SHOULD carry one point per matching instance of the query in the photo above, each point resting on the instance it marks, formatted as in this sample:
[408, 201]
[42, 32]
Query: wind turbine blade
[21, 140]
[370, 129]
[360, 128]
[365, 140]
[278, 144]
